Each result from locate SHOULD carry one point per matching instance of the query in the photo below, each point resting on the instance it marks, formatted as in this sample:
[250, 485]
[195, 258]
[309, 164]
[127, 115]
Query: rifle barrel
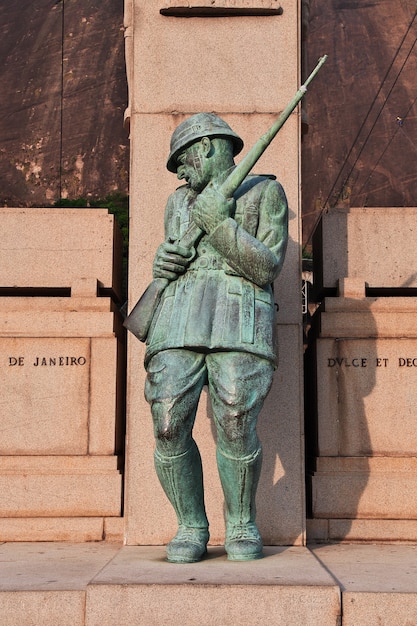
[242, 169]
[246, 164]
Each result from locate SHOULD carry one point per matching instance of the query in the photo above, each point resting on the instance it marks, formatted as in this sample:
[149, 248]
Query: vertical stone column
[239, 59]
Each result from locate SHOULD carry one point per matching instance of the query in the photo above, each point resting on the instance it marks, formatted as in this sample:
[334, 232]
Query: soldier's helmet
[196, 127]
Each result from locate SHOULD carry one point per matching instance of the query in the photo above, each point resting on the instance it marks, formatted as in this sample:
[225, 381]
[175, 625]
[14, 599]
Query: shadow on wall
[280, 495]
[341, 364]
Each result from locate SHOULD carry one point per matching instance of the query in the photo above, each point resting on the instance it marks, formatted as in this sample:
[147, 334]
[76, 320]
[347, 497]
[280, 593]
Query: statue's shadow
[280, 495]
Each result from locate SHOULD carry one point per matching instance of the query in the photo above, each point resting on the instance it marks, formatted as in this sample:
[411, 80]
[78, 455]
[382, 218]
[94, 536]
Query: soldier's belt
[209, 263]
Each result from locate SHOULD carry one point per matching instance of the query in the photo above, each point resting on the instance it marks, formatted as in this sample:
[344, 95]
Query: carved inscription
[344, 362]
[407, 362]
[48, 361]
[361, 362]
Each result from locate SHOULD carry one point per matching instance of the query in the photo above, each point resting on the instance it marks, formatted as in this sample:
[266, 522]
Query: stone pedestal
[61, 372]
[240, 60]
[364, 360]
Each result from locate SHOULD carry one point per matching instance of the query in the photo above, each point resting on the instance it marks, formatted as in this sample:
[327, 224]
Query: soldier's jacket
[224, 300]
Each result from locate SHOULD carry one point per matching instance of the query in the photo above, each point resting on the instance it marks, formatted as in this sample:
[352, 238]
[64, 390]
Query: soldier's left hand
[211, 208]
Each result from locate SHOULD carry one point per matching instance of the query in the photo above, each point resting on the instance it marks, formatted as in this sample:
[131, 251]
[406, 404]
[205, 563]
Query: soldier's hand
[211, 208]
[171, 260]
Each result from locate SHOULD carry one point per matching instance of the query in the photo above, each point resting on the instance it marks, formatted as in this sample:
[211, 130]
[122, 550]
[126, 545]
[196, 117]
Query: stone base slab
[130, 585]
[365, 488]
[97, 583]
[72, 486]
[361, 530]
[45, 583]
[379, 583]
[286, 587]
[74, 529]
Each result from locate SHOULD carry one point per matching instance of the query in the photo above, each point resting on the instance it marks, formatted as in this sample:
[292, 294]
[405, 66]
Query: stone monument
[239, 60]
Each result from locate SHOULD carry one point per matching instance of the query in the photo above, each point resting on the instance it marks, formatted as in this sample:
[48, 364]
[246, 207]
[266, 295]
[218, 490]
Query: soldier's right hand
[171, 260]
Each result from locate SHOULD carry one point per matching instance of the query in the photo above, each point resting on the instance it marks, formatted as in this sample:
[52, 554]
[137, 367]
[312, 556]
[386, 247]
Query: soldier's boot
[239, 478]
[182, 480]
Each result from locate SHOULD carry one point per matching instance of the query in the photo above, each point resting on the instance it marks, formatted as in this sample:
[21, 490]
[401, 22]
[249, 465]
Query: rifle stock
[140, 318]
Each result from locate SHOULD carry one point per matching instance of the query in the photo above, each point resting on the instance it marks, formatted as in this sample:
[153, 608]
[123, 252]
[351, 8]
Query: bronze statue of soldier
[214, 326]
[208, 319]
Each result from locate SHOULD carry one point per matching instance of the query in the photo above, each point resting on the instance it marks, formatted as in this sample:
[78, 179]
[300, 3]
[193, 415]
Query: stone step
[99, 584]
[378, 583]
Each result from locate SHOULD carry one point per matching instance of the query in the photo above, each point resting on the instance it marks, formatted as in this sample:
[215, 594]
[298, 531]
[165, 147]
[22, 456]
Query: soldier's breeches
[173, 386]
[238, 384]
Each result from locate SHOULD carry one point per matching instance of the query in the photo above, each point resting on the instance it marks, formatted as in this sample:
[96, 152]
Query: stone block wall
[362, 445]
[62, 375]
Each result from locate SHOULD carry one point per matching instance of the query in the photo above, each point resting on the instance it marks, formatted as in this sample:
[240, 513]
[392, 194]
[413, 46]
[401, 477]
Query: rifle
[140, 318]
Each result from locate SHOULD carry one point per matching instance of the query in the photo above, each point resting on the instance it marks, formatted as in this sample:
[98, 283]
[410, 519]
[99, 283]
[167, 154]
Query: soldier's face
[193, 167]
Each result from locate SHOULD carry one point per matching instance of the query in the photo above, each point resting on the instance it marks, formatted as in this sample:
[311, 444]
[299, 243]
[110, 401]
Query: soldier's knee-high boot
[182, 480]
[239, 478]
